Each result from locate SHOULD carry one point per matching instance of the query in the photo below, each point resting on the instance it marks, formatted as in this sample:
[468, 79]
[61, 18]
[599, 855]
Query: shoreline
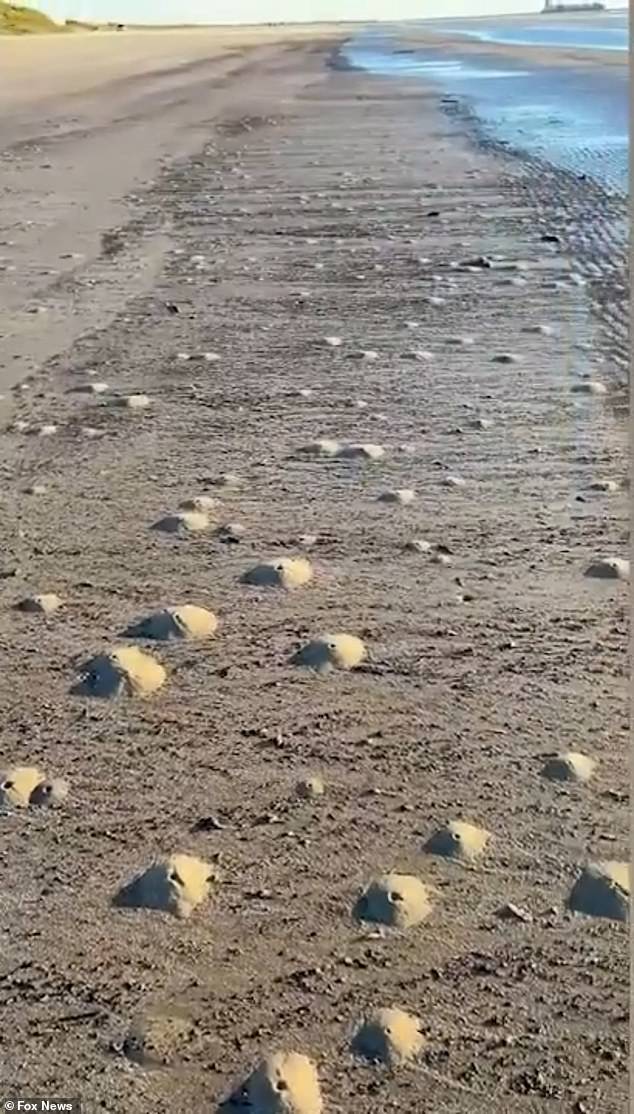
[304, 202]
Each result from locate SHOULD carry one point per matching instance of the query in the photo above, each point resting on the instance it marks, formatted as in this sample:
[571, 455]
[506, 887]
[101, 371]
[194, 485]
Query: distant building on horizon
[553, 6]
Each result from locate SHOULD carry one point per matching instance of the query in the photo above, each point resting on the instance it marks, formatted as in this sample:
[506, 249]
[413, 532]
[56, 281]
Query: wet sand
[304, 203]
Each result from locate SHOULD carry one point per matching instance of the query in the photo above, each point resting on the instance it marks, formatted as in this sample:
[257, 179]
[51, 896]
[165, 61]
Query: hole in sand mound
[331, 651]
[570, 766]
[402, 497]
[506, 358]
[17, 785]
[390, 1036]
[324, 448]
[156, 1038]
[602, 890]
[609, 568]
[589, 387]
[460, 342]
[284, 572]
[176, 884]
[397, 900]
[185, 522]
[458, 840]
[310, 787]
[186, 622]
[200, 504]
[125, 671]
[50, 793]
[367, 354]
[283, 1083]
[366, 451]
[43, 604]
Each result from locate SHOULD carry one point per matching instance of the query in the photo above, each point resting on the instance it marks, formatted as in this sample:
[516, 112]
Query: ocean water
[604, 31]
[575, 118]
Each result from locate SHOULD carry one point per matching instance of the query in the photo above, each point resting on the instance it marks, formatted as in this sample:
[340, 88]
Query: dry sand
[476, 672]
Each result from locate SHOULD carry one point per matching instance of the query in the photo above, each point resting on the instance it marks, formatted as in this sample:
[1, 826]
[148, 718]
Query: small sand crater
[569, 766]
[185, 622]
[125, 671]
[176, 884]
[506, 358]
[331, 651]
[602, 890]
[398, 900]
[45, 603]
[609, 568]
[155, 1039]
[283, 572]
[389, 1036]
[458, 840]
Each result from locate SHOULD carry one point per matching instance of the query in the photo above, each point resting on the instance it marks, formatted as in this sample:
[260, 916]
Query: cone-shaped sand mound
[602, 890]
[177, 885]
[390, 1036]
[50, 793]
[44, 604]
[402, 497]
[156, 1038]
[284, 1083]
[309, 788]
[331, 651]
[187, 622]
[125, 671]
[17, 785]
[458, 840]
[185, 522]
[609, 568]
[366, 451]
[284, 572]
[324, 448]
[398, 900]
[570, 766]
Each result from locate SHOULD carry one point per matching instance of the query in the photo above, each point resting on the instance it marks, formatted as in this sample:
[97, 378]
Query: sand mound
[186, 522]
[364, 354]
[453, 481]
[17, 785]
[422, 355]
[589, 387]
[506, 358]
[285, 572]
[93, 388]
[156, 1038]
[177, 885]
[310, 787]
[323, 448]
[602, 890]
[460, 342]
[126, 670]
[458, 840]
[333, 342]
[418, 545]
[187, 622]
[228, 480]
[570, 766]
[331, 651]
[200, 504]
[366, 451]
[284, 1083]
[49, 793]
[604, 485]
[44, 604]
[390, 1036]
[609, 568]
[480, 423]
[231, 533]
[134, 402]
[398, 900]
[401, 497]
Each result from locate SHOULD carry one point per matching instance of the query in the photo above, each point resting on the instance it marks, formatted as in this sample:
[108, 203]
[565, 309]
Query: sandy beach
[202, 234]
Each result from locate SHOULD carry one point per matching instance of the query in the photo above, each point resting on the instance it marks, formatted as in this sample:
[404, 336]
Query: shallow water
[575, 119]
[605, 31]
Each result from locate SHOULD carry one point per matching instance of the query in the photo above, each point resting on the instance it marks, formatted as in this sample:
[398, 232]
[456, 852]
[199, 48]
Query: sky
[263, 11]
